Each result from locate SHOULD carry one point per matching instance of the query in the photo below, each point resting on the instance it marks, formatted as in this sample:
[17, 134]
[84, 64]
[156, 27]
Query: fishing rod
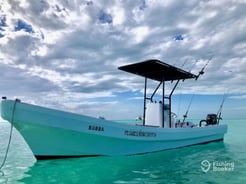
[187, 111]
[200, 73]
[202, 70]
[220, 108]
[193, 65]
[184, 63]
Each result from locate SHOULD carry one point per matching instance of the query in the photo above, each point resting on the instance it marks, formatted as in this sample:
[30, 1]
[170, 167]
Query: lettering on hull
[139, 133]
[95, 128]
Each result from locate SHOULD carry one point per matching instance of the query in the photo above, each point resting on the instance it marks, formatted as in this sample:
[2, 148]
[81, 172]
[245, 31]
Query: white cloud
[74, 47]
[139, 34]
[119, 15]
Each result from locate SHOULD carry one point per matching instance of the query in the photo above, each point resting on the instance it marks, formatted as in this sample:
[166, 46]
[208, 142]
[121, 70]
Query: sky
[65, 54]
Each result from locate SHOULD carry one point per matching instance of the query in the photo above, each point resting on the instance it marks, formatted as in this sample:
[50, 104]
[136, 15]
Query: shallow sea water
[182, 165]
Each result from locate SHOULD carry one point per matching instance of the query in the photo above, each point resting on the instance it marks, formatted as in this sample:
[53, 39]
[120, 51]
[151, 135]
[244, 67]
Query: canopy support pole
[144, 110]
[163, 102]
[170, 103]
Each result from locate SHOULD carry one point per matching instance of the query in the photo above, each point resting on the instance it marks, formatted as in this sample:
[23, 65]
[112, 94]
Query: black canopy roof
[157, 70]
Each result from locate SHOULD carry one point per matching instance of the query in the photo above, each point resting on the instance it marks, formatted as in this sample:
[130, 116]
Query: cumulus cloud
[69, 51]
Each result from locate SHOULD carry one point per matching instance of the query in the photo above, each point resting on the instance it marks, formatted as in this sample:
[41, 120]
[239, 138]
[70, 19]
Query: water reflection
[172, 166]
[168, 166]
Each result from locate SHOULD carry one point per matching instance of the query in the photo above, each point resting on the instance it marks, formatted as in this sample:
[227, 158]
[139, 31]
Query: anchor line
[10, 135]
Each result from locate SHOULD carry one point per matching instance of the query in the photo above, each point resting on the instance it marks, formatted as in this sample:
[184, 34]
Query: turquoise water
[173, 166]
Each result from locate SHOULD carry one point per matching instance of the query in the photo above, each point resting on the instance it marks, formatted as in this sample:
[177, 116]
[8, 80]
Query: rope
[10, 134]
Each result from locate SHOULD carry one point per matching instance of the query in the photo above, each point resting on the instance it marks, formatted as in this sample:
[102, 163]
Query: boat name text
[139, 133]
[95, 128]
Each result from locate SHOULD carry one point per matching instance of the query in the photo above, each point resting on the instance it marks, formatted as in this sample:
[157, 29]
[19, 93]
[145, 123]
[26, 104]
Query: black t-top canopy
[157, 70]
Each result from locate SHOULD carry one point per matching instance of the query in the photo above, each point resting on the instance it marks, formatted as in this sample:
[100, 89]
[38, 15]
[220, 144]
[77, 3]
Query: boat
[52, 133]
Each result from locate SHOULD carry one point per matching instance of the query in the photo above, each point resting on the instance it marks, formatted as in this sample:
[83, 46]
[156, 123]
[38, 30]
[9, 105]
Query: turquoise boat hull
[53, 133]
